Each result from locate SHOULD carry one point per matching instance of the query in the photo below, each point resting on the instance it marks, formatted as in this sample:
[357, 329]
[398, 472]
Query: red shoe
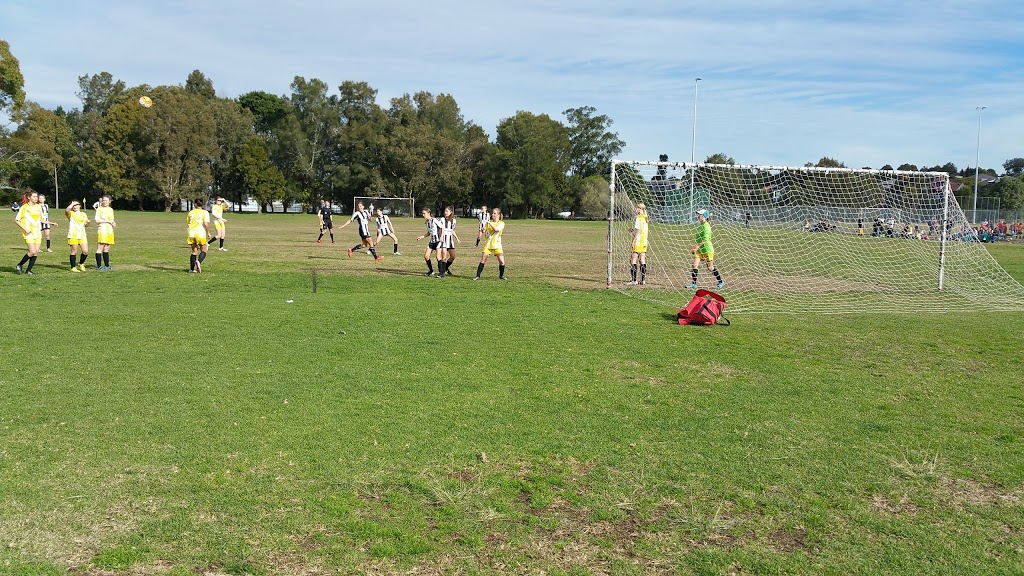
[380, 258]
[319, 242]
[332, 241]
[349, 252]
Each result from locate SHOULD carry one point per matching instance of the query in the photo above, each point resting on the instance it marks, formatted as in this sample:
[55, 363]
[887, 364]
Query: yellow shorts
[76, 241]
[33, 238]
[196, 241]
[709, 257]
[493, 251]
[217, 225]
[640, 249]
[105, 238]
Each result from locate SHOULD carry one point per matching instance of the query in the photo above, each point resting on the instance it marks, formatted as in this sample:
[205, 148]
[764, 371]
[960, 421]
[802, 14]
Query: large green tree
[362, 142]
[319, 121]
[12, 83]
[533, 156]
[253, 174]
[592, 144]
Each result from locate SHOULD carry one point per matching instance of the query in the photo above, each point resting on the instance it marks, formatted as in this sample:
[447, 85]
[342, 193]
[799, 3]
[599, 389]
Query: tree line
[316, 143]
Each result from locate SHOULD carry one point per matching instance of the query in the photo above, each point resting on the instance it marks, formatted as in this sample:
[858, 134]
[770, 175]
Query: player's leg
[693, 272]
[442, 261]
[713, 270]
[46, 233]
[480, 266]
[395, 240]
[501, 266]
[203, 247]
[83, 254]
[643, 268]
[450, 260]
[426, 257]
[99, 256]
[106, 256]
[370, 248]
[632, 268]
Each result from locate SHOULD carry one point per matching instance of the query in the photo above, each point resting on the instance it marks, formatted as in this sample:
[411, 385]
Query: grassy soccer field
[235, 422]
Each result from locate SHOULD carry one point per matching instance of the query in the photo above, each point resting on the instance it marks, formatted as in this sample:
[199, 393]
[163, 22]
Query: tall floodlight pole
[977, 162]
[693, 141]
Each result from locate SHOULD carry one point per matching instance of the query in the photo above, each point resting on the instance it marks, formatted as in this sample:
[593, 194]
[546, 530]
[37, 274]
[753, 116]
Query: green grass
[156, 422]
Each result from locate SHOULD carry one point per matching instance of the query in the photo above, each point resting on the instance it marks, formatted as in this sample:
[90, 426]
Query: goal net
[805, 239]
[390, 206]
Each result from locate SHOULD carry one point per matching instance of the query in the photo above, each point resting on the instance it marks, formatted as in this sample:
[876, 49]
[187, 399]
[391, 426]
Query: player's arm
[456, 236]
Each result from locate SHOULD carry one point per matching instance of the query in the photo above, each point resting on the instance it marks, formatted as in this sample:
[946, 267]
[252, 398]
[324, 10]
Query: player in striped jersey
[46, 218]
[484, 218]
[363, 216]
[494, 227]
[198, 220]
[384, 229]
[434, 242]
[78, 240]
[446, 226]
[30, 220]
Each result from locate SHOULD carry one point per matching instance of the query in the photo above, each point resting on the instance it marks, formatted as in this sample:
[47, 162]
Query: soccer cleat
[379, 259]
[17, 269]
[81, 267]
[49, 250]
[643, 282]
[30, 273]
[428, 274]
[720, 285]
[199, 267]
[692, 286]
[398, 254]
[332, 241]
[502, 278]
[475, 278]
[349, 252]
[75, 269]
[319, 241]
[222, 249]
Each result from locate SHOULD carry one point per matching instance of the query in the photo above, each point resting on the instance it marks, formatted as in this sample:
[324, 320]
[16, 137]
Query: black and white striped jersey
[447, 233]
[383, 225]
[433, 225]
[485, 217]
[363, 216]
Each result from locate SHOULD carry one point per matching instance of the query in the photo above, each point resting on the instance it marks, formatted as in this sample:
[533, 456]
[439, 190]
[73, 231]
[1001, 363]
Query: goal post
[804, 239]
[390, 206]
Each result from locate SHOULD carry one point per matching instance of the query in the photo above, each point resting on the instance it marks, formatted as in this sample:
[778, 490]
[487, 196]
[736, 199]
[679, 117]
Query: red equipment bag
[705, 309]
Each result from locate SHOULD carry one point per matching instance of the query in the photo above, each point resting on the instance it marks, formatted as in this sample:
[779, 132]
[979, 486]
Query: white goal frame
[387, 204]
[754, 225]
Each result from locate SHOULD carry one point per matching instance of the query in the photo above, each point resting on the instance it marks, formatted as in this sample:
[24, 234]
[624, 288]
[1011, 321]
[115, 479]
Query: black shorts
[46, 226]
[364, 236]
[327, 225]
[432, 245]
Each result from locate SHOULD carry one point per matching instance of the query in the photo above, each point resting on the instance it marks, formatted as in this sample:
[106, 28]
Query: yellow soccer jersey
[494, 230]
[641, 231]
[31, 218]
[196, 218]
[104, 230]
[217, 211]
[76, 225]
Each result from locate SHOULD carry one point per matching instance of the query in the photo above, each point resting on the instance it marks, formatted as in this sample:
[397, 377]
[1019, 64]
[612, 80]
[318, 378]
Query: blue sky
[784, 82]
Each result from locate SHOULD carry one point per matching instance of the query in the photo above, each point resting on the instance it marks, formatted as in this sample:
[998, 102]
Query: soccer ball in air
[145, 101]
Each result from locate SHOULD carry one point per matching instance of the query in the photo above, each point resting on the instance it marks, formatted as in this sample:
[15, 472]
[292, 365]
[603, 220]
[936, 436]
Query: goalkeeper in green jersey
[703, 250]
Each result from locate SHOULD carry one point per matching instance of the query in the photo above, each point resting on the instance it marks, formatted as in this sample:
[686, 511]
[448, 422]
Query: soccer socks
[320, 237]
[72, 259]
[477, 241]
[693, 275]
[222, 242]
[332, 237]
[396, 247]
[202, 256]
[373, 253]
[440, 267]
[632, 272]
[356, 247]
[479, 269]
[501, 271]
[82, 257]
[430, 265]
[47, 243]
[31, 263]
[106, 259]
[99, 259]
[192, 263]
[643, 273]
[717, 275]
[24, 259]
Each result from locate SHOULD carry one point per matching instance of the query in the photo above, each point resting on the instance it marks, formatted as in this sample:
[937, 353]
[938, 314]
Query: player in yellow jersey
[493, 229]
[77, 238]
[219, 222]
[105, 225]
[640, 231]
[198, 231]
[30, 220]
